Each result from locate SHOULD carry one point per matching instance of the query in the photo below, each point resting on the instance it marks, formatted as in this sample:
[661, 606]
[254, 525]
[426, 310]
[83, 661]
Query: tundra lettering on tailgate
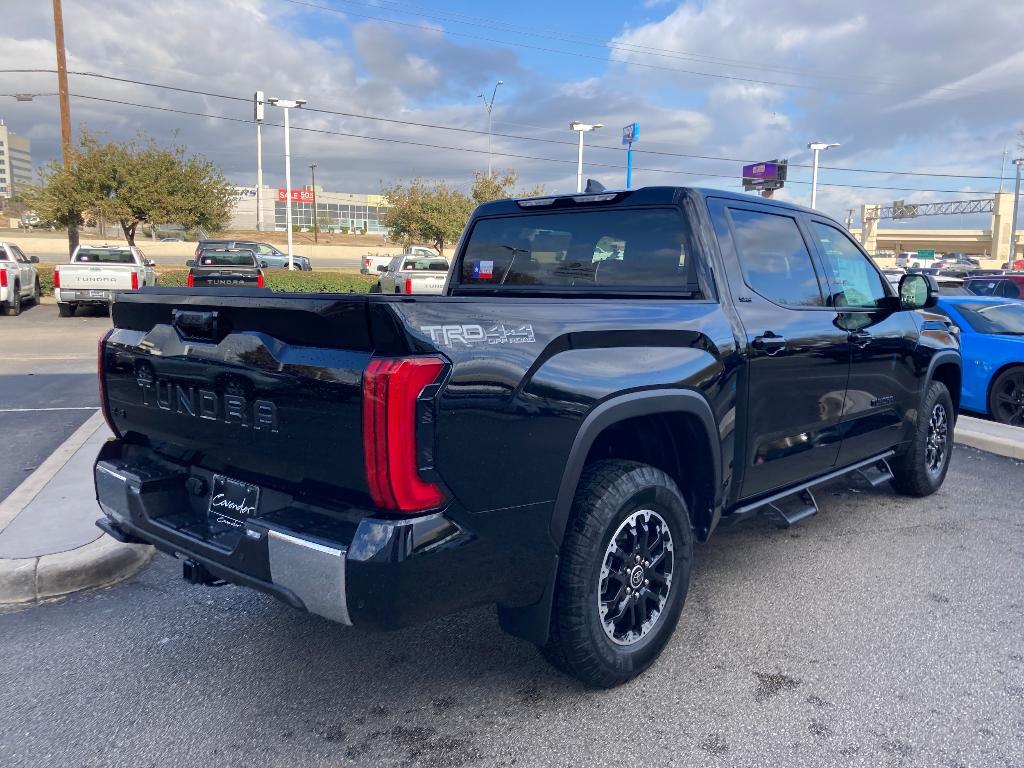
[207, 404]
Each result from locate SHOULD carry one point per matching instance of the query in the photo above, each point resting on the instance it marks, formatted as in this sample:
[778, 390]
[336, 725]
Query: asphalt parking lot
[883, 632]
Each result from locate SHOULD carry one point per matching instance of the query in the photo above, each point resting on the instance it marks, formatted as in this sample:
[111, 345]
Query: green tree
[132, 183]
[426, 211]
[501, 185]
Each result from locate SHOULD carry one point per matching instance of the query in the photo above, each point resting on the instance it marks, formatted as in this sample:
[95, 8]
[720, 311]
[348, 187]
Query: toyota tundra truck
[607, 379]
[97, 273]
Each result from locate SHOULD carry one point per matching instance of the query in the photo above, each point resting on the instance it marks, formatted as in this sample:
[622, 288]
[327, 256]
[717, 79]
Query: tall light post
[287, 105]
[316, 226]
[489, 105]
[581, 128]
[1013, 218]
[257, 114]
[816, 147]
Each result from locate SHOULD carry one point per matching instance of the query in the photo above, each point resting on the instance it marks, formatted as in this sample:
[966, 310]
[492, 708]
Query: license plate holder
[97, 294]
[232, 502]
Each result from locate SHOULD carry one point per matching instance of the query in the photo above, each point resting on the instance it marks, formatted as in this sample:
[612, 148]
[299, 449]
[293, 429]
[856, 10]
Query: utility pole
[316, 224]
[258, 117]
[65, 107]
[1013, 218]
[489, 106]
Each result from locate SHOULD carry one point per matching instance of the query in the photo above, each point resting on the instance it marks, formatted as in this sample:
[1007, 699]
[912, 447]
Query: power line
[458, 129]
[518, 156]
[562, 36]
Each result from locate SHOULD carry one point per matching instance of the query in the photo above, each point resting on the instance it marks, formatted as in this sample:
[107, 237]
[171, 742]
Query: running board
[791, 510]
[870, 469]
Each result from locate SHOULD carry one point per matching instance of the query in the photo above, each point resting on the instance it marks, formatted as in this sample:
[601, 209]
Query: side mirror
[34, 259]
[264, 265]
[149, 263]
[918, 291]
[190, 263]
[382, 268]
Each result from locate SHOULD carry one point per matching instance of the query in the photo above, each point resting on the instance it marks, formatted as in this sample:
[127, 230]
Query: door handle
[769, 343]
[860, 339]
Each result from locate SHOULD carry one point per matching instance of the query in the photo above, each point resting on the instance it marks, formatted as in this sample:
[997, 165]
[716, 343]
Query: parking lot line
[59, 408]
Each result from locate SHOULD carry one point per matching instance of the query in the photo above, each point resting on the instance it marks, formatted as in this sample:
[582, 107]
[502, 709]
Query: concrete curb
[99, 563]
[989, 436]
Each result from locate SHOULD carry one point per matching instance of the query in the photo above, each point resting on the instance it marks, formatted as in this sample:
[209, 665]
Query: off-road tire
[66, 310]
[13, 307]
[912, 474]
[609, 493]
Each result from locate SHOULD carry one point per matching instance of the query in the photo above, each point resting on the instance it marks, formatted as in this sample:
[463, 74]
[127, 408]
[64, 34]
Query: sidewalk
[49, 545]
[990, 436]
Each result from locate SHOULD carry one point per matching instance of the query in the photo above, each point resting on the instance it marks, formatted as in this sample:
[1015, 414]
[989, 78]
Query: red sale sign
[298, 195]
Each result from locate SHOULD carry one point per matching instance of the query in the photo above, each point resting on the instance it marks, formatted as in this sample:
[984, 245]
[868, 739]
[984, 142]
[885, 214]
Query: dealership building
[335, 211]
[15, 162]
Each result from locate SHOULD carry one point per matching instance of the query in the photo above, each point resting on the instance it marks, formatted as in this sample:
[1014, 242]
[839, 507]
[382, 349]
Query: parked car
[171, 240]
[1008, 286]
[553, 434]
[225, 267]
[413, 275]
[1016, 266]
[269, 256]
[992, 346]
[372, 262]
[97, 272]
[19, 279]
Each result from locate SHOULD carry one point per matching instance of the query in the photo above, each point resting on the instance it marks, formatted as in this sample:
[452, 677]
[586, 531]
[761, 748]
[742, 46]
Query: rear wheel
[1006, 398]
[66, 310]
[623, 575]
[922, 468]
[14, 304]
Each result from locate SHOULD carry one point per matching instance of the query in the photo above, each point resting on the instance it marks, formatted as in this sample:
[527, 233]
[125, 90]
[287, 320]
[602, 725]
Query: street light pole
[258, 117]
[1013, 218]
[489, 106]
[581, 128]
[65, 107]
[816, 147]
[286, 106]
[316, 225]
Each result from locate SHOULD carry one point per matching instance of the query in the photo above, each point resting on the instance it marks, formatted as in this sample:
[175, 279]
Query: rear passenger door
[797, 354]
[884, 384]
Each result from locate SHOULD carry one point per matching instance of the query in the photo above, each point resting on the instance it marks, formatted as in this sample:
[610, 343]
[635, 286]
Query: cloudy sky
[903, 86]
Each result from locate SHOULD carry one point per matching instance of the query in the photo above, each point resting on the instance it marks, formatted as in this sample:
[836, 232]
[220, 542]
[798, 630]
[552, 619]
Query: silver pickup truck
[19, 280]
[96, 272]
[407, 274]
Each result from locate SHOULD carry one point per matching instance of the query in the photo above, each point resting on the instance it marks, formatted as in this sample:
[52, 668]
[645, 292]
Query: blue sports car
[992, 345]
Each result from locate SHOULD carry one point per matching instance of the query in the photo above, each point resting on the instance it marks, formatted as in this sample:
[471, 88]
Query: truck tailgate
[243, 384]
[107, 277]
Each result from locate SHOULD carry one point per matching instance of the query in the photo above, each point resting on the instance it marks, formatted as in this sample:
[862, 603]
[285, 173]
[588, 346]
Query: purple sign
[768, 175]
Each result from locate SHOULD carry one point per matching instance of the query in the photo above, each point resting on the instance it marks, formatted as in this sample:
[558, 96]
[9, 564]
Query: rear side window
[1010, 289]
[613, 248]
[775, 259]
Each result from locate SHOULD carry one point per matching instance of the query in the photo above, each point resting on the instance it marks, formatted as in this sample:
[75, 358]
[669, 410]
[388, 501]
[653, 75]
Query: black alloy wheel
[1006, 400]
[937, 440]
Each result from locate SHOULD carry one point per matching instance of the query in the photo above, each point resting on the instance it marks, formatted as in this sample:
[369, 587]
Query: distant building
[15, 162]
[336, 211]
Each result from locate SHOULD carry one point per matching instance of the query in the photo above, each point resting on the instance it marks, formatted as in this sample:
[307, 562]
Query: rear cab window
[612, 249]
[104, 256]
[227, 259]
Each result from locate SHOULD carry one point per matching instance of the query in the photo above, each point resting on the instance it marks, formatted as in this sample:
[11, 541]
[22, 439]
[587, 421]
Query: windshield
[994, 316]
[227, 259]
[104, 256]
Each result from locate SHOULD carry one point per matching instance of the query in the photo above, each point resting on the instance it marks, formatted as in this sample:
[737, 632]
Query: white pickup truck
[372, 262]
[96, 272]
[418, 275]
[19, 280]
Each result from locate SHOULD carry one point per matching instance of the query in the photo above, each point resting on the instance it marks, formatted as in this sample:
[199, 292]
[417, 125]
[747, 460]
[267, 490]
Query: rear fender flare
[645, 403]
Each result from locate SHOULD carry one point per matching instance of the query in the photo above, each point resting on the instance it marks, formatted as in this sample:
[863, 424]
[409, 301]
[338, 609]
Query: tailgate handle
[195, 325]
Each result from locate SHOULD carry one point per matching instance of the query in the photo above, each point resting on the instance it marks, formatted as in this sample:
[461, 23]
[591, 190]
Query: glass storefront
[332, 216]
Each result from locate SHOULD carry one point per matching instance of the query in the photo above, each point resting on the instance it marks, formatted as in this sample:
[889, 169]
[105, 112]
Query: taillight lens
[259, 280]
[3, 278]
[135, 281]
[391, 389]
[191, 281]
[102, 381]
[56, 278]
[408, 285]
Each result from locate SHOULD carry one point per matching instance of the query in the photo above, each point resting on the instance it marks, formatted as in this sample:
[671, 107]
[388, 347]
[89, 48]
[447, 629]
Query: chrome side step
[791, 510]
[877, 474]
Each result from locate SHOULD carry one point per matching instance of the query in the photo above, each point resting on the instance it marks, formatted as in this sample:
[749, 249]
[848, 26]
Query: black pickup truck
[225, 268]
[607, 379]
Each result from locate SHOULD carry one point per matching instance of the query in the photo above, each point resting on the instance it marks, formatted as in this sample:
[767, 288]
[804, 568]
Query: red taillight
[103, 386]
[408, 285]
[56, 278]
[391, 388]
[259, 280]
[3, 278]
[191, 281]
[135, 281]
